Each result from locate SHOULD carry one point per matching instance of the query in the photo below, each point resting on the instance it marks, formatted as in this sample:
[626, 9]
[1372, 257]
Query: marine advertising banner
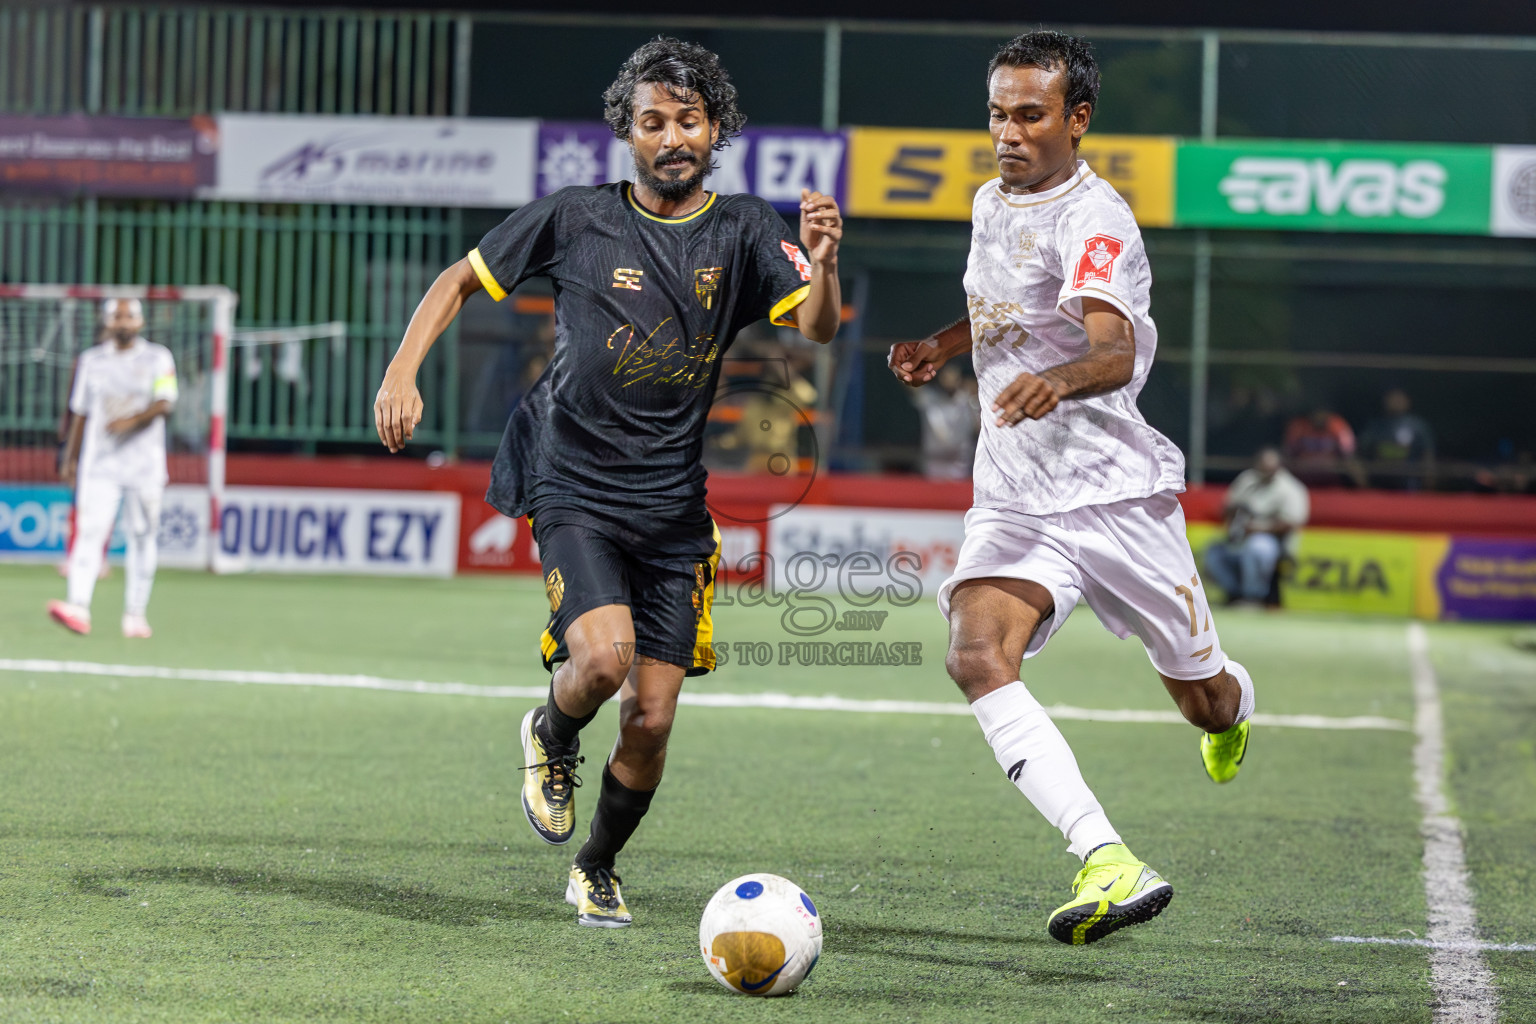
[409, 161]
[774, 163]
[1334, 186]
[145, 157]
[930, 174]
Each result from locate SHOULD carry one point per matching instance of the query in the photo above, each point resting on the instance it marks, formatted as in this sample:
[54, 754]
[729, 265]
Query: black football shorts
[664, 571]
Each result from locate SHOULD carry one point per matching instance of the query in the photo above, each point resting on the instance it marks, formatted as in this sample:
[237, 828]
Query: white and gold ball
[760, 935]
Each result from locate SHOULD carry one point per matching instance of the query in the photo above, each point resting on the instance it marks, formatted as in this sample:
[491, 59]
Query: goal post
[43, 330]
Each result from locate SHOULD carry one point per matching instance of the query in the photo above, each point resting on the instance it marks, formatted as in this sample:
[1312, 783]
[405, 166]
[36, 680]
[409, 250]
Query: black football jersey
[645, 308]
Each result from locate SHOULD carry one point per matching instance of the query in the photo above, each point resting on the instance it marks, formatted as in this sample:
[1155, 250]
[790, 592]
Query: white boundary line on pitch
[1496, 947]
[1462, 982]
[777, 701]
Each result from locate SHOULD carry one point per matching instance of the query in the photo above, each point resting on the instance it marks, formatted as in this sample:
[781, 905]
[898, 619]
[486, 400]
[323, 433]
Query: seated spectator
[1265, 508]
[1320, 447]
[1398, 447]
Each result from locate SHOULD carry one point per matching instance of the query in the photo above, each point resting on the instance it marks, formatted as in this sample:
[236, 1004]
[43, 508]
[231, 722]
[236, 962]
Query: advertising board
[1334, 186]
[317, 530]
[933, 174]
[774, 163]
[151, 157]
[424, 161]
[35, 525]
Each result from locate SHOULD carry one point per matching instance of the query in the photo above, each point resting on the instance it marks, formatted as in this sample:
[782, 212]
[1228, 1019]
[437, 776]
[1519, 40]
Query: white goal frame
[223, 302]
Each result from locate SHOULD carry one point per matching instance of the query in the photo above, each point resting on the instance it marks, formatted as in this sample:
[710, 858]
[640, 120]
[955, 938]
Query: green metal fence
[365, 266]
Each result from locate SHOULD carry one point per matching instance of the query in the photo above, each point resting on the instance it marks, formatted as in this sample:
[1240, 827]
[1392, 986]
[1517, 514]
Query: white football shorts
[1130, 560]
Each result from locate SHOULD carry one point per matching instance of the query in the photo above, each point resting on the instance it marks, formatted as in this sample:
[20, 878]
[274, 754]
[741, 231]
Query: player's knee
[645, 726]
[977, 666]
[601, 672]
[1206, 703]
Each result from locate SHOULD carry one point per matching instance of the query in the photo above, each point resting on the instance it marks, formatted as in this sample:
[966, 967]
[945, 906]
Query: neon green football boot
[1114, 889]
[1223, 752]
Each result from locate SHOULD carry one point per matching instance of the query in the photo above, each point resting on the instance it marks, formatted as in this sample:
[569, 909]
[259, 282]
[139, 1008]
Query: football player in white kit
[1075, 494]
[115, 455]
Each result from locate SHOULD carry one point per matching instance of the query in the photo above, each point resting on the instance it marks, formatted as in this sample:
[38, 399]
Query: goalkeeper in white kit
[124, 389]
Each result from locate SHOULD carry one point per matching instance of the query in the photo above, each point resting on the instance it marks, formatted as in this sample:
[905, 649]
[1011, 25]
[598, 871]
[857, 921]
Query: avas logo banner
[1334, 186]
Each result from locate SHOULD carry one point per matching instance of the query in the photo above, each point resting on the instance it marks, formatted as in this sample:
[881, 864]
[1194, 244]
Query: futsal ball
[760, 935]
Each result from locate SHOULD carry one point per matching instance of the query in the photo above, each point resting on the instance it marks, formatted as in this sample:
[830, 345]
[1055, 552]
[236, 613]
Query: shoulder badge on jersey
[797, 257]
[1097, 262]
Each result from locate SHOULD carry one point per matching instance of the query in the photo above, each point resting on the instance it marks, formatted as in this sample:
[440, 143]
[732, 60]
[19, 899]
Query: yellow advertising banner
[1345, 570]
[932, 174]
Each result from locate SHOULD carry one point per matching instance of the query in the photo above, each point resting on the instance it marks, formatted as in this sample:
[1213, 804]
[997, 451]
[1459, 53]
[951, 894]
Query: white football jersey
[111, 383]
[1033, 259]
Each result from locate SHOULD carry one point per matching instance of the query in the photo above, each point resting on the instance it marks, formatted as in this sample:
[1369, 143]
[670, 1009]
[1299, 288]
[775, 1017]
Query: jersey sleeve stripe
[779, 315]
[492, 288]
[1091, 292]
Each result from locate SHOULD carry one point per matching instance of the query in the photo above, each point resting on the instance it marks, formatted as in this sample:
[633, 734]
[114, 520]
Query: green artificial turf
[194, 851]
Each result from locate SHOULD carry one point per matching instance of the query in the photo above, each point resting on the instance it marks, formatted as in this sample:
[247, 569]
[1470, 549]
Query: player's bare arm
[821, 231]
[397, 409]
[1106, 366]
[915, 363]
[69, 466]
[126, 425]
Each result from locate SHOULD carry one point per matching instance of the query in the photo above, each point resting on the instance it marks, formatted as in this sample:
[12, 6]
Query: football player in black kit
[652, 280]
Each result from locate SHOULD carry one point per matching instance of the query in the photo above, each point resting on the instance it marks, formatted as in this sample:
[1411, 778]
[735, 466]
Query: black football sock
[618, 814]
[557, 728]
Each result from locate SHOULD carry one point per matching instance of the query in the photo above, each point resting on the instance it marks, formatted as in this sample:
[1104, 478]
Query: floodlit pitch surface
[192, 850]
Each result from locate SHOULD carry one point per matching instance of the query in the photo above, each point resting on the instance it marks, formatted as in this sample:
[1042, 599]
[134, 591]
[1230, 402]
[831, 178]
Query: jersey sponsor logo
[627, 277]
[554, 589]
[792, 251]
[706, 285]
[1097, 262]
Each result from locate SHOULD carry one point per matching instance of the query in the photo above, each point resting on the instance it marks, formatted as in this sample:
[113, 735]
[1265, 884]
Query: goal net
[43, 330]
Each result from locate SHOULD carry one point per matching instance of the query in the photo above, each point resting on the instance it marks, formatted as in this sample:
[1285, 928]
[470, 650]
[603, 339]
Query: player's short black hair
[685, 70]
[1054, 51]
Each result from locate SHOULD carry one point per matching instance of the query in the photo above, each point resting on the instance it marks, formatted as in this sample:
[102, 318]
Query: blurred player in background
[115, 456]
[1075, 495]
[652, 281]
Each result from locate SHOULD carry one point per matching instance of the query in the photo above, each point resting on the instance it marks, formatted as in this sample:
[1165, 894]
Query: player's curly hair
[685, 70]
[1053, 51]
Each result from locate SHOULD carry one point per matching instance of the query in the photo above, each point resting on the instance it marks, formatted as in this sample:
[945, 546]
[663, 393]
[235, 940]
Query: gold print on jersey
[554, 589]
[992, 323]
[662, 361]
[627, 277]
[706, 285]
[1028, 241]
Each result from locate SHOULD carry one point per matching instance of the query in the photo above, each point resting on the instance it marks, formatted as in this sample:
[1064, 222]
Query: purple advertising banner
[775, 163]
[146, 157]
[1483, 578]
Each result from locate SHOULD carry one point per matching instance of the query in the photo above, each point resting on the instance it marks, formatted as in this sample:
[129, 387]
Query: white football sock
[1245, 682]
[1034, 755]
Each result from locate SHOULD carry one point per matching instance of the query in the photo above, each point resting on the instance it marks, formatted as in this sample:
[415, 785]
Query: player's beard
[667, 189]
